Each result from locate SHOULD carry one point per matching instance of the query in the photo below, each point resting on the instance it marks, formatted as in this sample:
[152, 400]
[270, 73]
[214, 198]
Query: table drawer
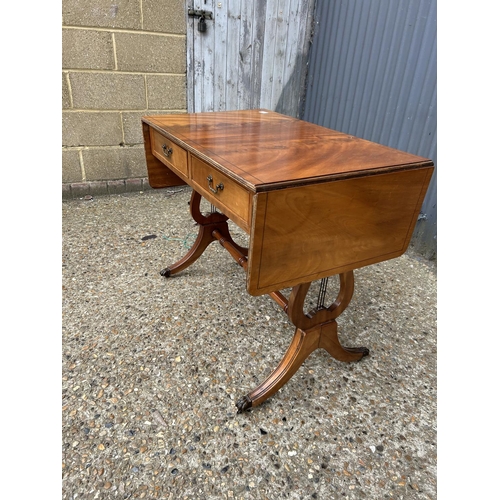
[169, 153]
[222, 191]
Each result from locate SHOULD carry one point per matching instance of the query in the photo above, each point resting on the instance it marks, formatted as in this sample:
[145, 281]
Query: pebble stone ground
[152, 368]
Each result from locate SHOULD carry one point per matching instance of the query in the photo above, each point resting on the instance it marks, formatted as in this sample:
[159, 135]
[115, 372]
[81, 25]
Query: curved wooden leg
[202, 241]
[329, 341]
[317, 329]
[303, 344]
[207, 224]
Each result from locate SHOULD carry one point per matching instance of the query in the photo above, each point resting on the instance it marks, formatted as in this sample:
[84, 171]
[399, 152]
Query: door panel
[252, 55]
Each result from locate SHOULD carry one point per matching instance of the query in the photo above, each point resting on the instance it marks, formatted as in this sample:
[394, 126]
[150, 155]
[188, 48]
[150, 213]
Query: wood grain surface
[267, 149]
[302, 234]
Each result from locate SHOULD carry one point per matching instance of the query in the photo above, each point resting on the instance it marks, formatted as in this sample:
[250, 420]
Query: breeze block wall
[121, 59]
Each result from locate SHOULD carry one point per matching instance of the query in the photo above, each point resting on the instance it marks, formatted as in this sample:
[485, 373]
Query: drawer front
[169, 153]
[222, 191]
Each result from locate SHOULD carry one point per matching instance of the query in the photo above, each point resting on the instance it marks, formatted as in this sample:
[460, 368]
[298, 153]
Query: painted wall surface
[373, 74]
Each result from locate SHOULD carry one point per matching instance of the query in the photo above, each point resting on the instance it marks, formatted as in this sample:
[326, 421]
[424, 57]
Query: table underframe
[313, 330]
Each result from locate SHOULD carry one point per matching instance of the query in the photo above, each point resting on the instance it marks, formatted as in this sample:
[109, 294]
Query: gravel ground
[152, 368]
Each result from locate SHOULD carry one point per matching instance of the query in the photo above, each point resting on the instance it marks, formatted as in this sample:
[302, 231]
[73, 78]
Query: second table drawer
[220, 189]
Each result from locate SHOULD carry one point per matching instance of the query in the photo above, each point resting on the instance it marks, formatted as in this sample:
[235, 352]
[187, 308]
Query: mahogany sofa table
[315, 203]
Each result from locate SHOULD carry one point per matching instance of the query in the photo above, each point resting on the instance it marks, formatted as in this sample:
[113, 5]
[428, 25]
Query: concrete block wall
[121, 59]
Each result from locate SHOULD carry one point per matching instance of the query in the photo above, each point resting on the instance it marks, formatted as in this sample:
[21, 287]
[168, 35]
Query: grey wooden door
[253, 54]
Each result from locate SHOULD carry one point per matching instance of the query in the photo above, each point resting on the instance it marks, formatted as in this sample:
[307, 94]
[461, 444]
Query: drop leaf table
[315, 203]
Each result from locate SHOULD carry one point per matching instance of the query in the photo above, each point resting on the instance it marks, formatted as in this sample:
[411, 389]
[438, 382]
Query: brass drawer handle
[167, 151]
[219, 186]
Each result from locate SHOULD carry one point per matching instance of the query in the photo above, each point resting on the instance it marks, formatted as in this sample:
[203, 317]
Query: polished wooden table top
[265, 150]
